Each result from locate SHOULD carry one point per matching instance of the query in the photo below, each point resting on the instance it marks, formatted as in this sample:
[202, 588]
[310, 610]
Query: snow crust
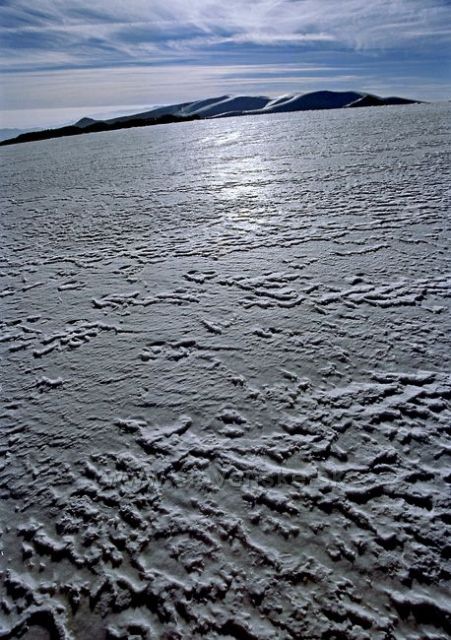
[226, 384]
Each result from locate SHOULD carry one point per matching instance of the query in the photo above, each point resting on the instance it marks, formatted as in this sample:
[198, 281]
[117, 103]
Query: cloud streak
[135, 28]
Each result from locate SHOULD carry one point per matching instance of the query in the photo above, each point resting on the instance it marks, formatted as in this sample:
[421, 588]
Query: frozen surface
[225, 380]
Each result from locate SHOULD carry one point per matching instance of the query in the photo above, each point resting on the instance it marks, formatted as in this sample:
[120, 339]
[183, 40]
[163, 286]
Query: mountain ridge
[217, 107]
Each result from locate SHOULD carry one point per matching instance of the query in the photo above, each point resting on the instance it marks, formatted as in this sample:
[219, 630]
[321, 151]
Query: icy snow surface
[225, 380]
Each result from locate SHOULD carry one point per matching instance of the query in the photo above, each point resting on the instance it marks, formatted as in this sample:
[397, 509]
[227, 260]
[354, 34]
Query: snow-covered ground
[225, 380]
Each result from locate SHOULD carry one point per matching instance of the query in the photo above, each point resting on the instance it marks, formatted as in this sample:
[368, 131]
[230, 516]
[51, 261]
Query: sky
[64, 59]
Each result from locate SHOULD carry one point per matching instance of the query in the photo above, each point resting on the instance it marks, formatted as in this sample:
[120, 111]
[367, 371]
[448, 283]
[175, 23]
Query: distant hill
[85, 122]
[220, 107]
[315, 100]
[97, 126]
[369, 100]
[6, 134]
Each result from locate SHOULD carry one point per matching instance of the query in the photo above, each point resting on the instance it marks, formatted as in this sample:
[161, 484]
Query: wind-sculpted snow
[226, 384]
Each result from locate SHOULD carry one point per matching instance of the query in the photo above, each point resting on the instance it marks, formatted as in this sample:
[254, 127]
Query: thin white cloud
[356, 23]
